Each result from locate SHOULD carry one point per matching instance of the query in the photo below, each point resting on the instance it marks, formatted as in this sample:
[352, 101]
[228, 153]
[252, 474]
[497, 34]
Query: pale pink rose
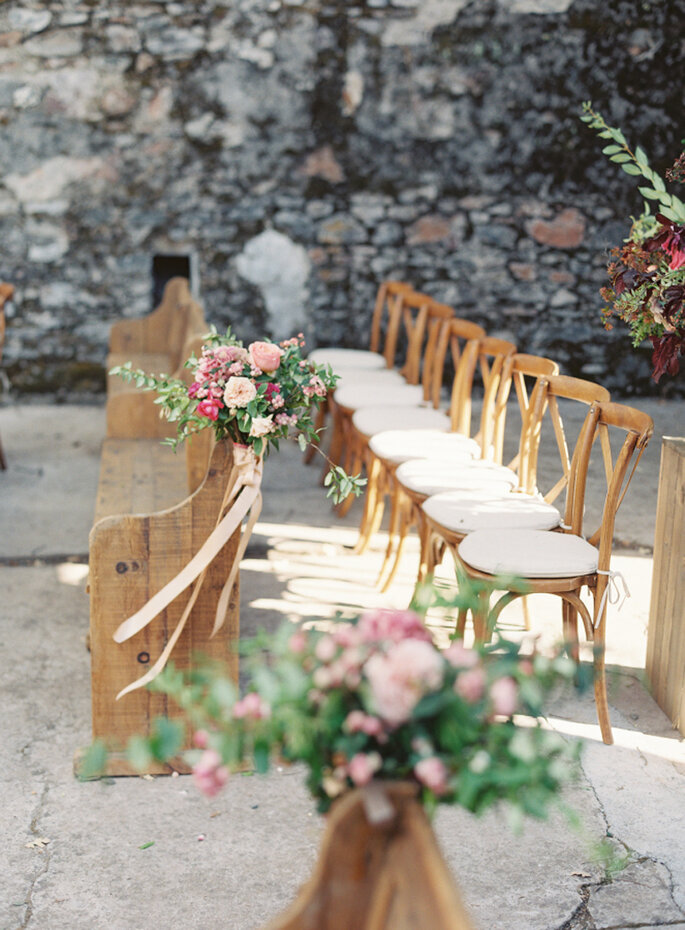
[471, 685]
[252, 706]
[346, 635]
[265, 355]
[395, 625]
[354, 722]
[325, 649]
[260, 426]
[297, 642]
[322, 678]
[400, 677]
[372, 726]
[209, 773]
[363, 766]
[458, 655]
[239, 392]
[201, 739]
[433, 774]
[504, 696]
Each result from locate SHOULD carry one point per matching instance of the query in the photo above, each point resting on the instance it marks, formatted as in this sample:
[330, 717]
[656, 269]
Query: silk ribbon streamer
[243, 496]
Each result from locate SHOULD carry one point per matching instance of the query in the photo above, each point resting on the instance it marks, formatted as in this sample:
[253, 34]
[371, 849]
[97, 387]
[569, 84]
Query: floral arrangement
[647, 273]
[256, 396]
[376, 698]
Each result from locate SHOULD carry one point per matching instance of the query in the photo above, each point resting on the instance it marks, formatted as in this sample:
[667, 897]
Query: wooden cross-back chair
[378, 358]
[448, 339]
[6, 292]
[563, 563]
[446, 517]
[394, 448]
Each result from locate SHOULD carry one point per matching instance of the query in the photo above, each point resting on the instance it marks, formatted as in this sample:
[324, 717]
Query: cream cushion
[402, 445]
[354, 396]
[368, 378]
[371, 420]
[357, 358]
[529, 553]
[462, 513]
[426, 476]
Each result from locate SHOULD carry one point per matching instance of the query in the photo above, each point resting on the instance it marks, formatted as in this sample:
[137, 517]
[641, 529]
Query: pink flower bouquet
[376, 699]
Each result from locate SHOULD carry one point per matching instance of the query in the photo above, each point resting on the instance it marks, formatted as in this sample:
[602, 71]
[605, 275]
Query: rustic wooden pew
[159, 343]
[154, 510]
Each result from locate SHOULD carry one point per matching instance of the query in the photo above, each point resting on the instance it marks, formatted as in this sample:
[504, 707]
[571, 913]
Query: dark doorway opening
[165, 267]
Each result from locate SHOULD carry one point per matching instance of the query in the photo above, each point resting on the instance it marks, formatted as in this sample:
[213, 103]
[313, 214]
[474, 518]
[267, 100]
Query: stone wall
[300, 152]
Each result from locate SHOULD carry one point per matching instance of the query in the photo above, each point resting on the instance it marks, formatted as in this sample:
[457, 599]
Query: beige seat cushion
[356, 396]
[529, 553]
[370, 378]
[462, 513]
[375, 419]
[357, 358]
[402, 445]
[426, 476]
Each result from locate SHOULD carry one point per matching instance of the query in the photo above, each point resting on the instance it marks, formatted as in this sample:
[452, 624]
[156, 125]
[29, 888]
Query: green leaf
[621, 158]
[147, 845]
[93, 762]
[649, 193]
[606, 134]
[138, 753]
[641, 157]
[302, 441]
[657, 182]
[670, 214]
[631, 169]
[611, 149]
[167, 738]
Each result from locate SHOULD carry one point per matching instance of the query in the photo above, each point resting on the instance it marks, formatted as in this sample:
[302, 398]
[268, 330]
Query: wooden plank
[666, 632]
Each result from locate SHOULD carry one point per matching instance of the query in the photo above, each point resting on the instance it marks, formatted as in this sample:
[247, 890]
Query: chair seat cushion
[403, 445]
[371, 420]
[464, 513]
[371, 378]
[425, 476]
[357, 358]
[354, 396]
[529, 553]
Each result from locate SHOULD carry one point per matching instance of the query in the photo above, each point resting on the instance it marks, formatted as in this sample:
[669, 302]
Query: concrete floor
[73, 854]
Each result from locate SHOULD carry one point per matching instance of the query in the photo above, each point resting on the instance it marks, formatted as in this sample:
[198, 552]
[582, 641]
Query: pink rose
[471, 685]
[395, 625]
[209, 408]
[260, 426]
[325, 649]
[433, 774]
[252, 706]
[362, 767]
[239, 392]
[201, 739]
[504, 696]
[458, 655]
[400, 678]
[265, 355]
[209, 773]
[298, 642]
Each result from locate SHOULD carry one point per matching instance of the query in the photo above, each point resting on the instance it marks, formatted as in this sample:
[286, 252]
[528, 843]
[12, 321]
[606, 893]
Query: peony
[209, 773]
[252, 706]
[432, 773]
[239, 392]
[458, 655]
[260, 426]
[504, 696]
[395, 625]
[209, 408]
[400, 678]
[265, 355]
[471, 685]
[362, 767]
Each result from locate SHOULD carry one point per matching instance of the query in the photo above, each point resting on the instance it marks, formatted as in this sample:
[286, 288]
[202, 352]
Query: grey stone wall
[300, 152]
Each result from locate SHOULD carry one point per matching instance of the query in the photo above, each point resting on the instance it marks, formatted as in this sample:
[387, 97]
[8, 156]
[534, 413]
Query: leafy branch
[636, 164]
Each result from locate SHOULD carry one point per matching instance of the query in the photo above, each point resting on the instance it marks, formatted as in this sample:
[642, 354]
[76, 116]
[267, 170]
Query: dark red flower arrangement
[647, 273]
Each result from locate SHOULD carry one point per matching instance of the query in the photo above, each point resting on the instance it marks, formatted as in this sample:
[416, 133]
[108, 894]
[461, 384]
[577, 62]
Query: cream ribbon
[243, 498]
[612, 593]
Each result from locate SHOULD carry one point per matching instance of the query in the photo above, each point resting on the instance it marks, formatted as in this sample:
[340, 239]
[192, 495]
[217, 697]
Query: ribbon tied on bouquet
[242, 499]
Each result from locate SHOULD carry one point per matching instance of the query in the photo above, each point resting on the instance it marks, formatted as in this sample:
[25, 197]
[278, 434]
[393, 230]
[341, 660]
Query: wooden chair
[394, 448]
[447, 339]
[416, 476]
[564, 563]
[378, 358]
[445, 517]
[6, 292]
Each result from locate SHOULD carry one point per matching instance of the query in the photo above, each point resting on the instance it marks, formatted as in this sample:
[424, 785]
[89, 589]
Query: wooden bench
[159, 343]
[152, 515]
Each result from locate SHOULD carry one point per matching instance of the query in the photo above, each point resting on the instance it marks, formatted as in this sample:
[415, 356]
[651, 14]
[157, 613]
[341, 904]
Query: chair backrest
[6, 291]
[609, 418]
[460, 343]
[544, 403]
[495, 366]
[386, 320]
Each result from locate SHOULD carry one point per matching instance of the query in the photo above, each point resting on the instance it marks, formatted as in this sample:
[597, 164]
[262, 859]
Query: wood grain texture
[385, 876]
[147, 530]
[666, 630]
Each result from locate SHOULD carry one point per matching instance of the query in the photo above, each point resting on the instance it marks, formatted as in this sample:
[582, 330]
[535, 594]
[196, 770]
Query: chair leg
[403, 532]
[601, 700]
[394, 528]
[372, 495]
